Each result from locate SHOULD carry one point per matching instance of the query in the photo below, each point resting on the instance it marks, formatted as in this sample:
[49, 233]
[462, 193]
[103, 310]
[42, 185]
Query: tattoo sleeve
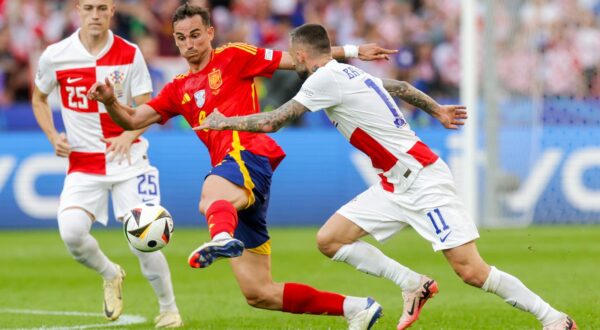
[266, 121]
[411, 95]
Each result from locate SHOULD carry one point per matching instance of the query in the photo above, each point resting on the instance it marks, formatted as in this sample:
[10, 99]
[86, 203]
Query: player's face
[95, 15]
[193, 38]
[299, 59]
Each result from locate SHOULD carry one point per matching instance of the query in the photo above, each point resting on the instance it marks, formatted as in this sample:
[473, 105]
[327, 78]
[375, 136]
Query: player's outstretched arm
[125, 116]
[366, 52]
[451, 116]
[264, 122]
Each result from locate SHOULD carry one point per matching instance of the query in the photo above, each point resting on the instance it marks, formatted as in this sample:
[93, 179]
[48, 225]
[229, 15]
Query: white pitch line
[124, 320]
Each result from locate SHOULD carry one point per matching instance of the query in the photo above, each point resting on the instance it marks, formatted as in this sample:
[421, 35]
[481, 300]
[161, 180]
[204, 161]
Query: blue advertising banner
[559, 182]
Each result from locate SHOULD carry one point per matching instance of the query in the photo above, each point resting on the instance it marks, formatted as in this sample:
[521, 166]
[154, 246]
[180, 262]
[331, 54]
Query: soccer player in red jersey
[235, 193]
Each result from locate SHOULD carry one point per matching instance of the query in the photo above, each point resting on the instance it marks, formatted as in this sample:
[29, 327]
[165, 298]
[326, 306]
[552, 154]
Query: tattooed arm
[449, 115]
[265, 122]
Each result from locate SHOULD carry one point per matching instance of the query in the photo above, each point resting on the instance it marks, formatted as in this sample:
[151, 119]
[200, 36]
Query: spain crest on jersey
[200, 96]
[214, 79]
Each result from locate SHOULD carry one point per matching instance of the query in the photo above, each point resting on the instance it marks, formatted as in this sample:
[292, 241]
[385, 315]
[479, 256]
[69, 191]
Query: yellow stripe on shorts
[265, 248]
[236, 154]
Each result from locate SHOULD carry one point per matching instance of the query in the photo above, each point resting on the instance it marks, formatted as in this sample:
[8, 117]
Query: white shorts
[430, 205]
[90, 192]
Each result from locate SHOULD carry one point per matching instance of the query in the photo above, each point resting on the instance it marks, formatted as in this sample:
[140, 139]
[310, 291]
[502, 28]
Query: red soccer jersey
[226, 83]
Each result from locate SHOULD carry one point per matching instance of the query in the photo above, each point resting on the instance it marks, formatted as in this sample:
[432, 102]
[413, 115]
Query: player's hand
[118, 146]
[61, 145]
[451, 116]
[371, 52]
[214, 121]
[104, 93]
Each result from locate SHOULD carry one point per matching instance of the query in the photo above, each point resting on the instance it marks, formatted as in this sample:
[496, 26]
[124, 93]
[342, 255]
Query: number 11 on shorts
[435, 223]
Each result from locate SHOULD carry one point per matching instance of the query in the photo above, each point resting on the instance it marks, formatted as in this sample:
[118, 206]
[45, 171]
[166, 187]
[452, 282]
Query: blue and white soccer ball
[148, 227]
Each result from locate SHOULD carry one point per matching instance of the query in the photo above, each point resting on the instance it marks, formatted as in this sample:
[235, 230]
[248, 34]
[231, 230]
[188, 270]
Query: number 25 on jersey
[76, 97]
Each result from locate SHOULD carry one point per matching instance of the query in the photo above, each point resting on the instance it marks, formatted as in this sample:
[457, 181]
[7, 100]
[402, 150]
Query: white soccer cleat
[414, 301]
[168, 320]
[564, 323]
[113, 297]
[212, 251]
[365, 319]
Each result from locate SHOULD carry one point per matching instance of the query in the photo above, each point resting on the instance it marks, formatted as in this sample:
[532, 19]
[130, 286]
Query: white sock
[74, 226]
[353, 305]
[156, 270]
[516, 294]
[369, 259]
[223, 235]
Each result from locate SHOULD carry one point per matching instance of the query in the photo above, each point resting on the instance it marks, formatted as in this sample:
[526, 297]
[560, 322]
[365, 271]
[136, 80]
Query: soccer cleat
[365, 319]
[168, 320]
[113, 298]
[414, 301]
[564, 323]
[212, 251]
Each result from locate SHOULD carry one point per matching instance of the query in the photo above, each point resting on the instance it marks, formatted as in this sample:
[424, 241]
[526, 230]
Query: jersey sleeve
[319, 91]
[164, 103]
[140, 76]
[45, 77]
[253, 61]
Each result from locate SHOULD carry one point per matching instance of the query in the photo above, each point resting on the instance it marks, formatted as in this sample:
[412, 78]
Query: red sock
[303, 299]
[221, 217]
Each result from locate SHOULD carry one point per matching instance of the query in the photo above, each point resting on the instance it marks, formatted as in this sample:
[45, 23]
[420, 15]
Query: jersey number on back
[398, 120]
[76, 97]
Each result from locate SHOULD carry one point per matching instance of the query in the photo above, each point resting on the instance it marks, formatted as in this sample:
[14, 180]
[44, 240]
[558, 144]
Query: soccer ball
[148, 227]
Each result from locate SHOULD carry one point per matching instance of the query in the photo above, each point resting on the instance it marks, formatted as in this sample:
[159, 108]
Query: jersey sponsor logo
[214, 79]
[71, 80]
[200, 96]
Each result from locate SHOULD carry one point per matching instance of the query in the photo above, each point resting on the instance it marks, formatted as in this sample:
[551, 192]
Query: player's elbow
[270, 128]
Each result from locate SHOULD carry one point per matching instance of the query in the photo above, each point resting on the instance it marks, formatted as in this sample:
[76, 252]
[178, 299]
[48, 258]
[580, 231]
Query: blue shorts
[253, 173]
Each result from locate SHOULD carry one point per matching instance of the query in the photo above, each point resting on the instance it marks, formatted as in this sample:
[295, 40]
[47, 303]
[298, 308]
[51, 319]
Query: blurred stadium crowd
[549, 45]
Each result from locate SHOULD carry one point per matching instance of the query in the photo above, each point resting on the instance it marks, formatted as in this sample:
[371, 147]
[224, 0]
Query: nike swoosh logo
[107, 312]
[72, 80]
[412, 308]
[443, 239]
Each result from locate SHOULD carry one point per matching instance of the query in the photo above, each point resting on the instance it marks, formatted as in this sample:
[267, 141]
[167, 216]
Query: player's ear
[211, 32]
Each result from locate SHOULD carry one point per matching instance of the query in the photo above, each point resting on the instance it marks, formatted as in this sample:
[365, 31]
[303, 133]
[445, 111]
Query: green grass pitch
[559, 263]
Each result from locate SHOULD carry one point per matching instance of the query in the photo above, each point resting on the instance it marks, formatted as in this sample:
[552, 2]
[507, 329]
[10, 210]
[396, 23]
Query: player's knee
[74, 243]
[327, 243]
[471, 275]
[203, 205]
[257, 298]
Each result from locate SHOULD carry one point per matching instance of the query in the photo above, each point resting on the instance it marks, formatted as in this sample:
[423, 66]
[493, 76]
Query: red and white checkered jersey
[70, 67]
[365, 113]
